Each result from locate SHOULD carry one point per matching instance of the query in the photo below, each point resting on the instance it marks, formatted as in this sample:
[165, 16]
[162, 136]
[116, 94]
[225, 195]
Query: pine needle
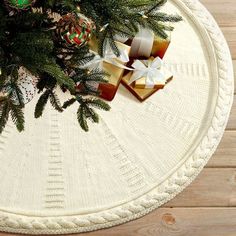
[4, 114]
[55, 102]
[69, 103]
[17, 116]
[82, 119]
[41, 104]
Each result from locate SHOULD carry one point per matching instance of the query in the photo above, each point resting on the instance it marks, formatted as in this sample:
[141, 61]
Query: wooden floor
[208, 206]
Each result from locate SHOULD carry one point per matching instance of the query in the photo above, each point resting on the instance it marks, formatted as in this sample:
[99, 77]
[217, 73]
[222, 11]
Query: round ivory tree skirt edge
[20, 223]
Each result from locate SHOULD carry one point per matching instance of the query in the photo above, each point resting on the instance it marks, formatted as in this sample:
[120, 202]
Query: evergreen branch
[88, 89]
[124, 18]
[87, 79]
[102, 42]
[41, 104]
[46, 82]
[69, 103]
[4, 114]
[91, 114]
[156, 5]
[82, 118]
[59, 75]
[27, 39]
[74, 57]
[55, 102]
[98, 103]
[112, 43]
[86, 112]
[17, 117]
[163, 17]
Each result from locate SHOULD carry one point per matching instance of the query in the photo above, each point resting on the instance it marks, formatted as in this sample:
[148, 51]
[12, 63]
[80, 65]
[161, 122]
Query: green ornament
[20, 4]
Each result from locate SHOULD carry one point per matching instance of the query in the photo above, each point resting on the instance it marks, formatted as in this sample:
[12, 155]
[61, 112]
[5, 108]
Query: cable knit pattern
[133, 176]
[139, 157]
[180, 126]
[193, 70]
[54, 197]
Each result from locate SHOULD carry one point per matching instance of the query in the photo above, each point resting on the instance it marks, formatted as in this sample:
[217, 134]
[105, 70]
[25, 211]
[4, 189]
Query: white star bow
[150, 70]
[110, 58]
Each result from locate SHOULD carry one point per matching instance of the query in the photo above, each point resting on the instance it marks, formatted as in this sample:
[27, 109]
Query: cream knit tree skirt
[55, 178]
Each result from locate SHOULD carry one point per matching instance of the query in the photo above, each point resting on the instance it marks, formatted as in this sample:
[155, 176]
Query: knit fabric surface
[56, 179]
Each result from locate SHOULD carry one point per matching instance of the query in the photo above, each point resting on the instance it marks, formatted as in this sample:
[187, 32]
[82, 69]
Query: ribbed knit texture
[55, 178]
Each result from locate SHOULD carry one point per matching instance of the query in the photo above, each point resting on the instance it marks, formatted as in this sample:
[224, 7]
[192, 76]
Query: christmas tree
[48, 40]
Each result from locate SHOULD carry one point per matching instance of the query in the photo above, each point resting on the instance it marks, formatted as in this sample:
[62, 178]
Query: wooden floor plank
[178, 222]
[175, 222]
[224, 11]
[213, 188]
[232, 119]
[230, 35]
[225, 155]
[219, 8]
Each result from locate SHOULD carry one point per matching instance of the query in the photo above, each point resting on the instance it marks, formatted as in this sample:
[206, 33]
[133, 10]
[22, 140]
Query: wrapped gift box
[138, 89]
[166, 76]
[109, 90]
[146, 44]
[160, 47]
[115, 67]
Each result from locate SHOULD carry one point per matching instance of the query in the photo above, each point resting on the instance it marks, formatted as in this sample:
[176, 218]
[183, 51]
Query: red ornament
[75, 29]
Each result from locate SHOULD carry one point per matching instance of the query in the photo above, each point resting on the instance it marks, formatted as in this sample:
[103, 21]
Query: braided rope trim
[178, 181]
